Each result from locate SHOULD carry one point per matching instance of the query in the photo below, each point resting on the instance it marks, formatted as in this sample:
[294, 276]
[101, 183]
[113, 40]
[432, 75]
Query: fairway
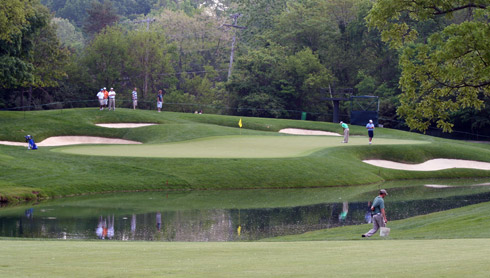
[230, 147]
[394, 258]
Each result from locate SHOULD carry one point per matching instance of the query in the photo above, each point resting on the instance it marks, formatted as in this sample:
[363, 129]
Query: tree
[148, 62]
[14, 16]
[268, 82]
[258, 16]
[19, 22]
[48, 58]
[67, 34]
[99, 15]
[106, 56]
[447, 72]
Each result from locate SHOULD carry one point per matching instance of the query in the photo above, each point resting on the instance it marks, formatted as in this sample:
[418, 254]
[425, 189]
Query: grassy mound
[304, 162]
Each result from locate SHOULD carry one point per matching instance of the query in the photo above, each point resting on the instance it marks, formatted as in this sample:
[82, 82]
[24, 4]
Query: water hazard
[226, 215]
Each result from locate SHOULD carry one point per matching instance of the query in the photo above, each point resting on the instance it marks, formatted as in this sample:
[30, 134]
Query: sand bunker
[10, 143]
[73, 140]
[437, 186]
[125, 125]
[76, 140]
[298, 131]
[431, 165]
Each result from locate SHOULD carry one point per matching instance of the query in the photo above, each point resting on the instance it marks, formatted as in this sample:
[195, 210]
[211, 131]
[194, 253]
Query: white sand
[449, 186]
[437, 186]
[125, 125]
[72, 140]
[298, 131]
[75, 140]
[431, 165]
[10, 143]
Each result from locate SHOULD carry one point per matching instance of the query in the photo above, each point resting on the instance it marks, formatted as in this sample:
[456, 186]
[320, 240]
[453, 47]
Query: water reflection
[160, 221]
[105, 228]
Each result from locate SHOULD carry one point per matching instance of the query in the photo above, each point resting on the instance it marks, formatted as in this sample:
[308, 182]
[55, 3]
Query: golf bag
[31, 145]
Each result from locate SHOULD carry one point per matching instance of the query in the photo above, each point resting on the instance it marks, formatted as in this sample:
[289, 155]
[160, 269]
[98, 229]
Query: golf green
[230, 147]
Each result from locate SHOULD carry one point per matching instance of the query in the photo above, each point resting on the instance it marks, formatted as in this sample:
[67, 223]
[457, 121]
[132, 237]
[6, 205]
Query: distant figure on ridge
[134, 97]
[112, 99]
[160, 100]
[100, 96]
[106, 96]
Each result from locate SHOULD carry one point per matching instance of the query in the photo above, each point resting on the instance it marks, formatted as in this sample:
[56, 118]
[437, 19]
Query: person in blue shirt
[379, 215]
[370, 128]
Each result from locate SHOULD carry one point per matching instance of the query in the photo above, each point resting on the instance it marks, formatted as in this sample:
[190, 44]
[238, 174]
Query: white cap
[371, 121]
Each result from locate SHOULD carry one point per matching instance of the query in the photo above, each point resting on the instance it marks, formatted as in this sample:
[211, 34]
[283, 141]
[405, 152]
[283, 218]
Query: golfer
[379, 214]
[370, 128]
[346, 132]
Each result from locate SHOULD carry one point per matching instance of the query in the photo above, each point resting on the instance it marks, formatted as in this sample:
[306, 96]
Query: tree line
[427, 61]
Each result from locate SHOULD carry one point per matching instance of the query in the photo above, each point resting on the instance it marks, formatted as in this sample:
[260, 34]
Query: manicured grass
[401, 258]
[44, 173]
[258, 146]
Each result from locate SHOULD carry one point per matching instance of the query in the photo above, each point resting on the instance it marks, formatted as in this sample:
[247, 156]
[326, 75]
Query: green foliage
[105, 57]
[366, 85]
[14, 17]
[16, 42]
[99, 15]
[68, 34]
[268, 81]
[48, 58]
[148, 61]
[447, 73]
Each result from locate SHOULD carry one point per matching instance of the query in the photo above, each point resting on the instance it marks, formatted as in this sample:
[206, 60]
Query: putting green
[229, 147]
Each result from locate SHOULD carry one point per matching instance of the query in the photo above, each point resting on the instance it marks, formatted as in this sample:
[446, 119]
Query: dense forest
[427, 61]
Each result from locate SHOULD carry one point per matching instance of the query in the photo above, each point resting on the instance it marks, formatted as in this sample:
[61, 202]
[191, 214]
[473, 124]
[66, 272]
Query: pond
[229, 215]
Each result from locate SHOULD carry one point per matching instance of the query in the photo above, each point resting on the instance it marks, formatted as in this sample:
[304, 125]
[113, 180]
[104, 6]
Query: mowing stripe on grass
[385, 258]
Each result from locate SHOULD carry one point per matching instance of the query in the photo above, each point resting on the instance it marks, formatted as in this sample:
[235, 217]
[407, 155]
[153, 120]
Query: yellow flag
[240, 123]
[239, 230]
